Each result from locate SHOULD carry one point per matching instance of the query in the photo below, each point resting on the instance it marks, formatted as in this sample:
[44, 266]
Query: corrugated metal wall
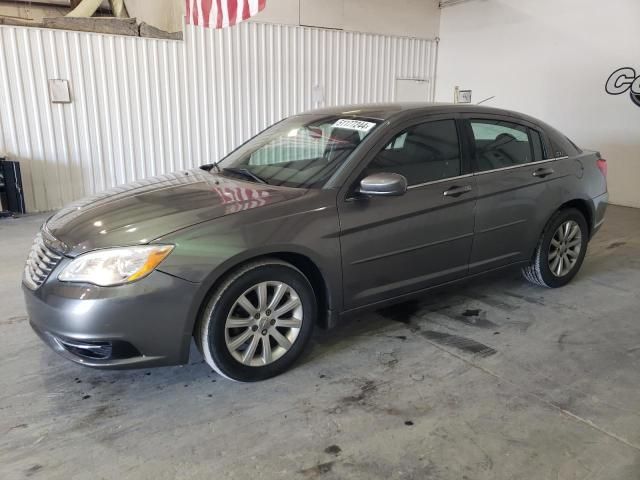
[143, 107]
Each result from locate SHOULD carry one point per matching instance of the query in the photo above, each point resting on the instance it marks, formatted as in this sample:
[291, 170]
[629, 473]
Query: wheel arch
[579, 204]
[302, 262]
[583, 207]
[318, 281]
[535, 271]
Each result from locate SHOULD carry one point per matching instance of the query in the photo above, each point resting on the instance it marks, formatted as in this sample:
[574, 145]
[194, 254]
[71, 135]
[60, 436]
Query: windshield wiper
[245, 172]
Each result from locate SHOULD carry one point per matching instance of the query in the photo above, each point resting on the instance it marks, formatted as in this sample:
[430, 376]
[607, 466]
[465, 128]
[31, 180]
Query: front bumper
[143, 324]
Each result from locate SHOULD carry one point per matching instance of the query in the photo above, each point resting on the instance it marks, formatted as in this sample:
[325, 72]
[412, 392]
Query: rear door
[512, 170]
[393, 246]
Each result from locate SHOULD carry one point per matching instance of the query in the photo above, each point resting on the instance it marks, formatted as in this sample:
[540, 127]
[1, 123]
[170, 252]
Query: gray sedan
[322, 215]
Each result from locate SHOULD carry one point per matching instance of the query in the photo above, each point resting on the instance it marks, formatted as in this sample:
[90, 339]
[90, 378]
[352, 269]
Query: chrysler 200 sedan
[321, 215]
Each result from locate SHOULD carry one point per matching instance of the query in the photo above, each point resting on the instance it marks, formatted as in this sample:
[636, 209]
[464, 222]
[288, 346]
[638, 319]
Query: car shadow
[61, 375]
[414, 314]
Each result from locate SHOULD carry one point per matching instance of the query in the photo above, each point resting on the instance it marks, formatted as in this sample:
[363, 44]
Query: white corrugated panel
[142, 107]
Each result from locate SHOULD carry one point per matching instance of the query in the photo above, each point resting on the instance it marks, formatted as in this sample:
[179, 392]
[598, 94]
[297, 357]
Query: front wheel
[258, 322]
[560, 251]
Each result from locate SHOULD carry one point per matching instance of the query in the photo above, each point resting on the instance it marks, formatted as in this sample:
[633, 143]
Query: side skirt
[408, 296]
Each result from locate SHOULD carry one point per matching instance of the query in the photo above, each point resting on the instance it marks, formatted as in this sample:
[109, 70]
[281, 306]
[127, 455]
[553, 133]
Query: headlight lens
[115, 266]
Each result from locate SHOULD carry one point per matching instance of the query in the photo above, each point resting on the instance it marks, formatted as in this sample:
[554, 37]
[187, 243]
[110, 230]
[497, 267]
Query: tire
[539, 271]
[251, 360]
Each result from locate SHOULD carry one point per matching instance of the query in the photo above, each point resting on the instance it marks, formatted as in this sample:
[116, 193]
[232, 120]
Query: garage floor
[492, 380]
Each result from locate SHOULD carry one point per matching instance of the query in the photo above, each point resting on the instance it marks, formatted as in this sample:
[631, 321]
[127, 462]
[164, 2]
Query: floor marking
[569, 414]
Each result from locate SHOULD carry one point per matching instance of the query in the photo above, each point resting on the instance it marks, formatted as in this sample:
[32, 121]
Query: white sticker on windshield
[359, 125]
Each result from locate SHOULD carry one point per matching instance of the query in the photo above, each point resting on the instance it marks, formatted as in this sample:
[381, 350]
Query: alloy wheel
[564, 249]
[263, 323]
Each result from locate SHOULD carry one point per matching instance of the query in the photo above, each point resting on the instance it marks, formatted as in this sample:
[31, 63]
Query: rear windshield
[301, 151]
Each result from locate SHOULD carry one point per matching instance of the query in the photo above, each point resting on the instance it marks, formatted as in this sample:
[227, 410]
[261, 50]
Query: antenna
[486, 100]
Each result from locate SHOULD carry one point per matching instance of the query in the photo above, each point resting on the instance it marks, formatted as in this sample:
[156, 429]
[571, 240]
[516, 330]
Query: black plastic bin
[11, 193]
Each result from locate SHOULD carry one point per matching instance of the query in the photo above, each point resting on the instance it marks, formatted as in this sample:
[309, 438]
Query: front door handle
[457, 191]
[542, 172]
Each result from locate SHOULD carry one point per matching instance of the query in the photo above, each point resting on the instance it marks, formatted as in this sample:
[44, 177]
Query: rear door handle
[542, 172]
[457, 191]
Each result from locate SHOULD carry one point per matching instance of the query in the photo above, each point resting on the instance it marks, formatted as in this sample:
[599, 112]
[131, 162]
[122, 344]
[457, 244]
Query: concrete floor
[496, 379]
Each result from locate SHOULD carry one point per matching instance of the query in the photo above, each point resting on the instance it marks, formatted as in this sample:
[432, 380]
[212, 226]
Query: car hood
[140, 212]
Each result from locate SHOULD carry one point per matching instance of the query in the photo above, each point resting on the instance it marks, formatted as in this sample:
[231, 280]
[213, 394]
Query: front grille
[40, 263]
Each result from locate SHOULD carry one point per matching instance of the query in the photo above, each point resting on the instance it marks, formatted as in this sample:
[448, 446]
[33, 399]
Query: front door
[392, 246]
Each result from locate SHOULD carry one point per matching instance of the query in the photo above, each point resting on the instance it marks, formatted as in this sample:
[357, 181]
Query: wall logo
[622, 81]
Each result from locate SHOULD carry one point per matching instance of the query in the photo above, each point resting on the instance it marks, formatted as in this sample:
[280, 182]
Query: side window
[500, 144]
[423, 153]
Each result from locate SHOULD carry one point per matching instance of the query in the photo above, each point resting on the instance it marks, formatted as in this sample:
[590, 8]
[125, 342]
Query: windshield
[301, 151]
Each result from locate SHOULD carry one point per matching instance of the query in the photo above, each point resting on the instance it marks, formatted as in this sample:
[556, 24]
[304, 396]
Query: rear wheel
[560, 251]
[257, 323]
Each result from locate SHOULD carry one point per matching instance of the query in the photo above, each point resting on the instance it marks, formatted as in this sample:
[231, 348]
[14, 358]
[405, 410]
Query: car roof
[385, 111]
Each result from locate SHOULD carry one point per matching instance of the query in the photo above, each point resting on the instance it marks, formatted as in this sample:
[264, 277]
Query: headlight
[115, 266]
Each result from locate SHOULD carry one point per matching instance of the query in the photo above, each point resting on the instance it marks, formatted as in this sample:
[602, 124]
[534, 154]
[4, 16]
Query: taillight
[602, 166]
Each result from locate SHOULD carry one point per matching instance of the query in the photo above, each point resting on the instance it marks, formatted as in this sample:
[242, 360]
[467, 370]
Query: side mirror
[383, 184]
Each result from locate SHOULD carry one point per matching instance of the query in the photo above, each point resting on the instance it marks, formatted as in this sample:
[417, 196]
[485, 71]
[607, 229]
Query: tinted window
[500, 144]
[423, 153]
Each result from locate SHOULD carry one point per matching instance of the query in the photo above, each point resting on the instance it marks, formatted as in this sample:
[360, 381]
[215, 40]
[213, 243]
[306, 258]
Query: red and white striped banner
[221, 13]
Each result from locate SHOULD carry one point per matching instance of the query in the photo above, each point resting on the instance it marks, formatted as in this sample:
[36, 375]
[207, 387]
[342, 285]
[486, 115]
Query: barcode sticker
[359, 125]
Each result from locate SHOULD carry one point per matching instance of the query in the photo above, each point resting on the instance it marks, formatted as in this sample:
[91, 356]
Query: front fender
[308, 227]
